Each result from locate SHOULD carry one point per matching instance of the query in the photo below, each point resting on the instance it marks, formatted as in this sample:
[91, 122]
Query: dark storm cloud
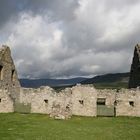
[58, 9]
[7, 10]
[65, 38]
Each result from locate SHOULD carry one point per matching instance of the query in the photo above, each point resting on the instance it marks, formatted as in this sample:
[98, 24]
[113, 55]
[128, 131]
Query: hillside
[35, 83]
[117, 80]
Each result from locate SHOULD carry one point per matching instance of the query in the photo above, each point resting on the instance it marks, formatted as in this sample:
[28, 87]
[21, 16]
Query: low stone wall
[45, 100]
[79, 100]
[126, 102]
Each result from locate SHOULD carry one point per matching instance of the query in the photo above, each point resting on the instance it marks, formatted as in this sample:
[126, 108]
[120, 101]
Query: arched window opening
[13, 75]
[1, 72]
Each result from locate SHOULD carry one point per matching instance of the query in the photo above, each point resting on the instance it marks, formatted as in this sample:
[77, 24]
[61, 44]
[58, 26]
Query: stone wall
[134, 80]
[45, 100]
[128, 103]
[8, 74]
[79, 100]
[84, 100]
[125, 101]
[62, 105]
[6, 103]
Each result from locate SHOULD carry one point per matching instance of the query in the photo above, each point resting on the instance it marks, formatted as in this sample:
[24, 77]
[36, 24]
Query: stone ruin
[80, 100]
[9, 83]
[135, 69]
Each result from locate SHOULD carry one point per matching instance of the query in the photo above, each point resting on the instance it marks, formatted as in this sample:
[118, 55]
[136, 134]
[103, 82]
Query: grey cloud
[7, 10]
[57, 9]
[58, 39]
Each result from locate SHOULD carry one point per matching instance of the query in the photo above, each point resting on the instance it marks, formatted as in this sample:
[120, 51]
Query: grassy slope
[40, 127]
[113, 85]
[113, 81]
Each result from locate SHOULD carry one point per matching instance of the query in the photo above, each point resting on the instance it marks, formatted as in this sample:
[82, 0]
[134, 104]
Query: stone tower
[134, 80]
[8, 74]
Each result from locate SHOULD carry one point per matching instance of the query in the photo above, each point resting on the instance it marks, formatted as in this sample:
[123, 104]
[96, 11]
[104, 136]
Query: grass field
[41, 127]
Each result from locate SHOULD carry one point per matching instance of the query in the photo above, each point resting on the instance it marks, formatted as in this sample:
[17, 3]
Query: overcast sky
[69, 38]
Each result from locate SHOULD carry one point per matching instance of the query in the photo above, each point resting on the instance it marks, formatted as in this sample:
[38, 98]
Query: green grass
[41, 127]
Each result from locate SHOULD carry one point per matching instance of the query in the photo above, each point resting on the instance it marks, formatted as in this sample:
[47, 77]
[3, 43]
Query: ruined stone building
[9, 84]
[81, 100]
[135, 69]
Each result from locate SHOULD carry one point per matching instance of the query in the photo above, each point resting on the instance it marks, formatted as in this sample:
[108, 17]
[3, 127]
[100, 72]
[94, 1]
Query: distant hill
[117, 80]
[35, 83]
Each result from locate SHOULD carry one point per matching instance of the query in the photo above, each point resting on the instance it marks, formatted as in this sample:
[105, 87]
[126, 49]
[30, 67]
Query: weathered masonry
[135, 69]
[9, 84]
[81, 100]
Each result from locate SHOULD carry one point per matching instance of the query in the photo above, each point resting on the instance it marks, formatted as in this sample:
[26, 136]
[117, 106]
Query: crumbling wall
[128, 103]
[79, 100]
[45, 100]
[137, 103]
[134, 80]
[8, 74]
[62, 105]
[84, 100]
[6, 103]
[42, 100]
[39, 99]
